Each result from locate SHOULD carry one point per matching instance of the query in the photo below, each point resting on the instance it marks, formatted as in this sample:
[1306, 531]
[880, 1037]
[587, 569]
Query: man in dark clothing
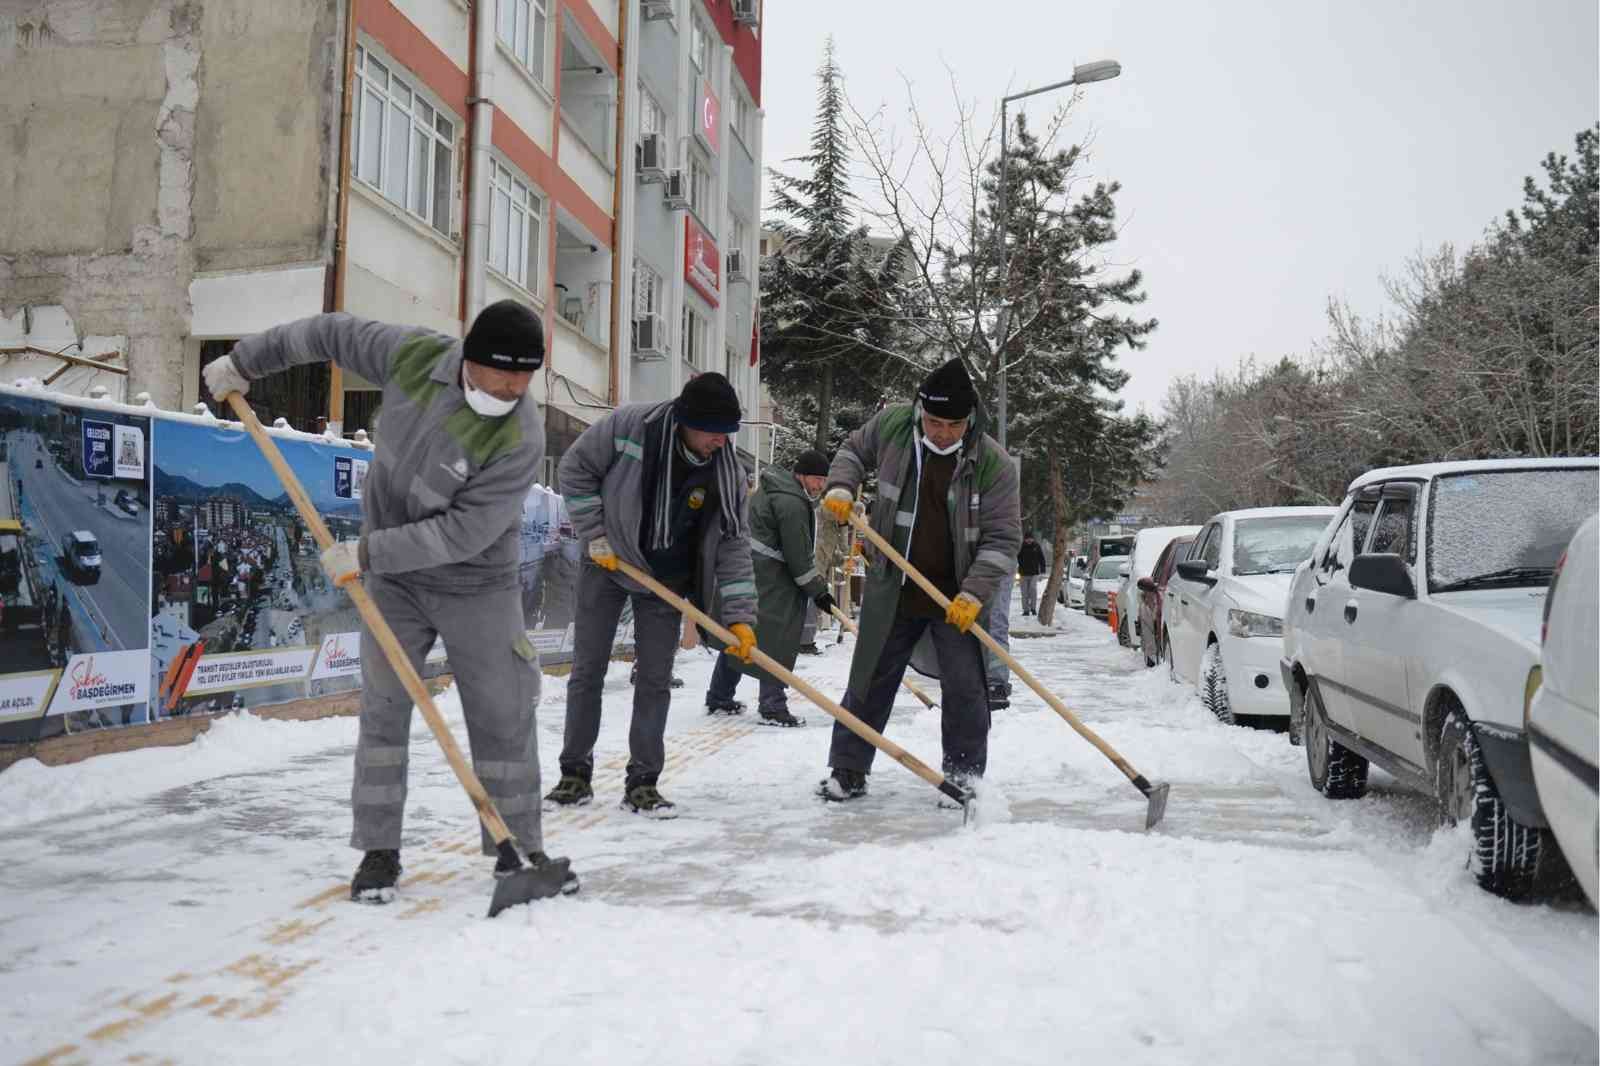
[1030, 562]
[783, 544]
[660, 486]
[947, 500]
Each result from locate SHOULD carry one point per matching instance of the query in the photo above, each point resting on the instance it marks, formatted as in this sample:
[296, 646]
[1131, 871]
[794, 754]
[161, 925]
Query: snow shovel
[963, 796]
[906, 681]
[1156, 793]
[526, 883]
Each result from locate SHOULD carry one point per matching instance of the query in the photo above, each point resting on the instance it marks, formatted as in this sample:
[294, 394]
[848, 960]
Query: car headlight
[1529, 689]
[1251, 624]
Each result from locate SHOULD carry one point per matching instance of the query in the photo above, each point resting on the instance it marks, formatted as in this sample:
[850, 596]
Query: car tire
[1122, 633]
[1214, 685]
[1505, 855]
[1335, 770]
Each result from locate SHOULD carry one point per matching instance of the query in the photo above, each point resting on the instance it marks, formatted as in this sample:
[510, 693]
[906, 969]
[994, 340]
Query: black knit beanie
[811, 464]
[709, 404]
[507, 336]
[947, 392]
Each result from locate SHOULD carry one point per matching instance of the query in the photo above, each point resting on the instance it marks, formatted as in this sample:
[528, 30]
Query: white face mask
[936, 450]
[485, 404]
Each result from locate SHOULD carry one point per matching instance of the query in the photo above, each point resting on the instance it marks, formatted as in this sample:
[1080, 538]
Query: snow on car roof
[1430, 470]
[1273, 512]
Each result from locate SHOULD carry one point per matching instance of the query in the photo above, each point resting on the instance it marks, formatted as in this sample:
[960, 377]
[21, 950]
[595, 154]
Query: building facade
[215, 168]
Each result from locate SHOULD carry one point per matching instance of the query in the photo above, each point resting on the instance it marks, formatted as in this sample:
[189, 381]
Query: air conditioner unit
[677, 190]
[746, 13]
[736, 265]
[652, 158]
[656, 10]
[649, 338]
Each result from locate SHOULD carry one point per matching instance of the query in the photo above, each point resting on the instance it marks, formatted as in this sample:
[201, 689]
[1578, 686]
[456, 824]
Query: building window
[404, 146]
[739, 236]
[523, 27]
[700, 45]
[652, 118]
[694, 336]
[743, 116]
[648, 292]
[516, 217]
[699, 184]
[588, 93]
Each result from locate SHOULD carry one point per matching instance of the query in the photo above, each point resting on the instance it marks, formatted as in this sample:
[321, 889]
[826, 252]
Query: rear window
[1505, 527]
[1109, 567]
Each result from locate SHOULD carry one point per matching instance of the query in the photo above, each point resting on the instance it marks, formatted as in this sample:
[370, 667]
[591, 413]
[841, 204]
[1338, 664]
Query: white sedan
[1223, 615]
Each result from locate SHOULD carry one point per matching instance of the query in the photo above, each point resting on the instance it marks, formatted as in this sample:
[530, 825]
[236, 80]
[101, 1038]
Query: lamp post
[1082, 74]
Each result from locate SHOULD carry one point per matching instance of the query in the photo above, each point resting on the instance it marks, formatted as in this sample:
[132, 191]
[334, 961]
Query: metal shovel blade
[528, 884]
[1158, 803]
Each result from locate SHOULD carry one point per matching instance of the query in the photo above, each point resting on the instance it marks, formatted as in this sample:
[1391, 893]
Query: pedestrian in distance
[1031, 564]
[657, 485]
[947, 501]
[438, 552]
[783, 544]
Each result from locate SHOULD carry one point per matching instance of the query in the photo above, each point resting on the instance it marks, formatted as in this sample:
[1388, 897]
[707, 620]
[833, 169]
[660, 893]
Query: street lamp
[1082, 74]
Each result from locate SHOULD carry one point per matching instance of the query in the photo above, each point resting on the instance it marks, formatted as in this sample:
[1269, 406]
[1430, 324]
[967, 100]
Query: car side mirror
[1196, 570]
[1382, 572]
[1147, 584]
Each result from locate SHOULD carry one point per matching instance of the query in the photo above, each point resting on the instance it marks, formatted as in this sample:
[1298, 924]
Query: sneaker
[571, 791]
[842, 785]
[999, 697]
[780, 718]
[643, 799]
[376, 877]
[716, 706]
[810, 649]
[537, 859]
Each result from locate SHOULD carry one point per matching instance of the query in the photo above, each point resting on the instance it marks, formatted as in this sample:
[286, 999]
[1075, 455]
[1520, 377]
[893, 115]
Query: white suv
[1411, 638]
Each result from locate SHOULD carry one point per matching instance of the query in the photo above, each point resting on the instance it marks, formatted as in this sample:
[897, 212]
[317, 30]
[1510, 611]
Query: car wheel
[1122, 633]
[1336, 771]
[1214, 685]
[1505, 854]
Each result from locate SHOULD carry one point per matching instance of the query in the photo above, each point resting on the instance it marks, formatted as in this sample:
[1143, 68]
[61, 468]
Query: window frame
[700, 53]
[533, 209]
[655, 286]
[439, 184]
[522, 51]
[1392, 495]
[743, 115]
[696, 341]
[698, 165]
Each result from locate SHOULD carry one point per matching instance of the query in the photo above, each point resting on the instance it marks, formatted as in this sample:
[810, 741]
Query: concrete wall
[135, 149]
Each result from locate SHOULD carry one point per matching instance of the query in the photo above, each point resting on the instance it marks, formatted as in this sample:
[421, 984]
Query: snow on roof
[1424, 471]
[1273, 512]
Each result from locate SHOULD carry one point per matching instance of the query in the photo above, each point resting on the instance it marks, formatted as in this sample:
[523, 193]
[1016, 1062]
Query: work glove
[838, 503]
[222, 377]
[342, 562]
[963, 611]
[824, 602]
[600, 551]
[746, 638]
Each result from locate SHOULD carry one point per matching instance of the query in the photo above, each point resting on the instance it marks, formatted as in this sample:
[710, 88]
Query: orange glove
[963, 611]
[600, 551]
[746, 637]
[838, 503]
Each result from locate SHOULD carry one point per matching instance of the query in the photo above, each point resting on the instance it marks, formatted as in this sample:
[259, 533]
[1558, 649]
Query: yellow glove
[838, 503]
[747, 641]
[600, 551]
[963, 611]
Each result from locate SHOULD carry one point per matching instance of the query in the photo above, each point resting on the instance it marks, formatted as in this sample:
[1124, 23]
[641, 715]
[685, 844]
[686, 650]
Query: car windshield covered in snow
[1505, 527]
[1109, 566]
[1274, 545]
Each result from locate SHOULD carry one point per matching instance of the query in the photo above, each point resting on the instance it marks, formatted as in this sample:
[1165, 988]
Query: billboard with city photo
[74, 566]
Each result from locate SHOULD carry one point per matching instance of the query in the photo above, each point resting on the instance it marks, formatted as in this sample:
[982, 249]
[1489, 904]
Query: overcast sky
[1271, 154]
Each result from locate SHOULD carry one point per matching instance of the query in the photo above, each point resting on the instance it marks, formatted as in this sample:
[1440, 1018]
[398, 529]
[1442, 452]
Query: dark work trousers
[725, 680]
[963, 700]
[655, 641]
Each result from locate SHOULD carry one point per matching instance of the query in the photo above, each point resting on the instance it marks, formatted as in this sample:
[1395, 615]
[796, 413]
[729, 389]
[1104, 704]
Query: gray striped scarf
[728, 474]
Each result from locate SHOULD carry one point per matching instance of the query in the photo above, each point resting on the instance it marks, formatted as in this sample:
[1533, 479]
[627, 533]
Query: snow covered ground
[188, 905]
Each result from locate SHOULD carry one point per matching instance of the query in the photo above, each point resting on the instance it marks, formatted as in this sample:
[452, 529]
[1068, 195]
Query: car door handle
[1311, 604]
[1350, 611]
[1184, 602]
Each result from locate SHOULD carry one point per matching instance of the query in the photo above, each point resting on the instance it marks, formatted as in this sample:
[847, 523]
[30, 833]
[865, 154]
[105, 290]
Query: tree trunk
[824, 409]
[1058, 557]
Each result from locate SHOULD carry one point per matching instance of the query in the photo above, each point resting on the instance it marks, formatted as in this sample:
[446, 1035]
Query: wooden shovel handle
[376, 625]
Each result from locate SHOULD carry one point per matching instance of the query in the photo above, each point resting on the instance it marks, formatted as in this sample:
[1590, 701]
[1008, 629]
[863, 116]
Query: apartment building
[210, 171]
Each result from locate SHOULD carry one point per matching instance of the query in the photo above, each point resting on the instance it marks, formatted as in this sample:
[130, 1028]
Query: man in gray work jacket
[947, 501]
[658, 485]
[439, 549]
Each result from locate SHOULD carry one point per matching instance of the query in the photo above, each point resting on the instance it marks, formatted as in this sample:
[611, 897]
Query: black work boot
[843, 785]
[999, 697]
[376, 877]
[720, 706]
[810, 649]
[572, 790]
[781, 718]
[538, 860]
[639, 796]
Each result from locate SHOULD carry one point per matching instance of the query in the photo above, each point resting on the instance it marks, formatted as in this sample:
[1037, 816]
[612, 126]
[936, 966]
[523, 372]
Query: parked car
[1104, 547]
[81, 551]
[1073, 588]
[1102, 583]
[1564, 713]
[1153, 594]
[1412, 641]
[1148, 544]
[126, 502]
[1222, 623]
